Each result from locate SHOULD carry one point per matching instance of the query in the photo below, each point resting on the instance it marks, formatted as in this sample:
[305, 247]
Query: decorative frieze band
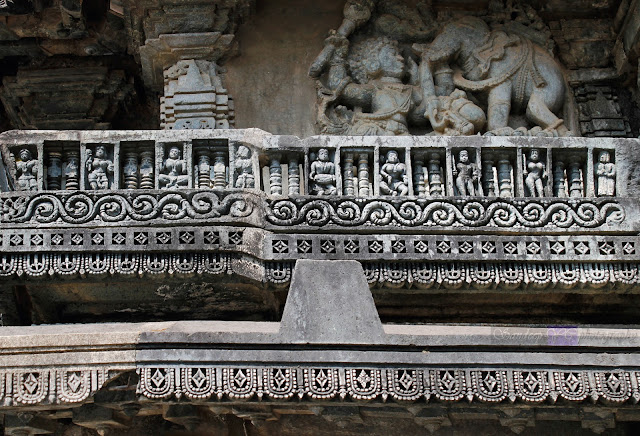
[504, 275]
[491, 385]
[491, 212]
[63, 386]
[421, 275]
[124, 206]
[74, 264]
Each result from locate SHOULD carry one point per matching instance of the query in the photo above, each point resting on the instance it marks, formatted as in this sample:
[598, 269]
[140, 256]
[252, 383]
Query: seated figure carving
[323, 174]
[393, 176]
[173, 172]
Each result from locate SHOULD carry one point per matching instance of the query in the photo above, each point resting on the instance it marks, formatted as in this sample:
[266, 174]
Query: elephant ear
[494, 49]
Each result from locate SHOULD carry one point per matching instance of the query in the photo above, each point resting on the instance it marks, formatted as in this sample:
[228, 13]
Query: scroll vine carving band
[80, 208]
[501, 213]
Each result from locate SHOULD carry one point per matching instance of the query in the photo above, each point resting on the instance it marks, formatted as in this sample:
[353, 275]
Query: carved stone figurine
[323, 174]
[512, 73]
[466, 174]
[606, 172]
[244, 168]
[99, 168]
[534, 174]
[393, 176]
[27, 168]
[173, 171]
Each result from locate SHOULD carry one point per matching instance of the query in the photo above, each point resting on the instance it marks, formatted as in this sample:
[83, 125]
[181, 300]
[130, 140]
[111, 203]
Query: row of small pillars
[134, 164]
[430, 171]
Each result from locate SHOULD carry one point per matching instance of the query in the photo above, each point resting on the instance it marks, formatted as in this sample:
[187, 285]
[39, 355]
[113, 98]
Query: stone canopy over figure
[463, 78]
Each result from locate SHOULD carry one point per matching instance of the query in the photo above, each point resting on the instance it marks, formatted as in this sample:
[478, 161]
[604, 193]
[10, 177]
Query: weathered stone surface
[321, 304]
[48, 98]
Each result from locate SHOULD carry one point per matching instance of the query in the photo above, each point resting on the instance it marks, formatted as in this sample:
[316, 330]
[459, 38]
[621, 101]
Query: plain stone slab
[330, 302]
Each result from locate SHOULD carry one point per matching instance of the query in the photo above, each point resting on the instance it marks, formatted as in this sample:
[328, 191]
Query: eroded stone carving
[393, 174]
[535, 173]
[606, 172]
[173, 172]
[387, 69]
[517, 75]
[467, 174]
[323, 174]
[27, 168]
[78, 208]
[195, 98]
[244, 168]
[99, 168]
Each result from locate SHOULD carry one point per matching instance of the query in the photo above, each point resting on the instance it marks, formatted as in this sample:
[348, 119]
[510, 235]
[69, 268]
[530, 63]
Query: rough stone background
[269, 81]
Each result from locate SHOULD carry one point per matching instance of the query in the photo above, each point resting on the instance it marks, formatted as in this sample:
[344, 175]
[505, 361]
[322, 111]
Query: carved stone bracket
[158, 54]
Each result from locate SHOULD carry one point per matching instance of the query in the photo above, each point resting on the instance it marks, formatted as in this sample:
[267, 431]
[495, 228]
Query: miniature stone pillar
[559, 185]
[574, 175]
[347, 178]
[363, 175]
[504, 178]
[294, 176]
[130, 170]
[418, 176]
[275, 176]
[488, 182]
[435, 176]
[204, 167]
[54, 171]
[219, 170]
[146, 170]
[72, 170]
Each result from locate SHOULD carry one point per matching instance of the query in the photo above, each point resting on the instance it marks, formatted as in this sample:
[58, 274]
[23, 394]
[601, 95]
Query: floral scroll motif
[502, 213]
[110, 207]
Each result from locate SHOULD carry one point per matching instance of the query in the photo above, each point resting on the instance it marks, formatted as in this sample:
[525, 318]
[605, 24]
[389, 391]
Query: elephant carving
[506, 72]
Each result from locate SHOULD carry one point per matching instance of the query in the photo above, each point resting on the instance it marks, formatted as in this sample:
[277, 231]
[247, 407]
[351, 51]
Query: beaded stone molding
[492, 385]
[127, 264]
[421, 275]
[506, 276]
[49, 386]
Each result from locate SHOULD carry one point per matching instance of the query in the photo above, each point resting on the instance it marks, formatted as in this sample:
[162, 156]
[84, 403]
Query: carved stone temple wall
[346, 217]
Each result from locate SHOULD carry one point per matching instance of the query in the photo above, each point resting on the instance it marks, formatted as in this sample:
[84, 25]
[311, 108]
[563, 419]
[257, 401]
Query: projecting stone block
[330, 302]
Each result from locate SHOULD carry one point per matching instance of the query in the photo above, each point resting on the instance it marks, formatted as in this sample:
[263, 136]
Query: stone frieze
[501, 213]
